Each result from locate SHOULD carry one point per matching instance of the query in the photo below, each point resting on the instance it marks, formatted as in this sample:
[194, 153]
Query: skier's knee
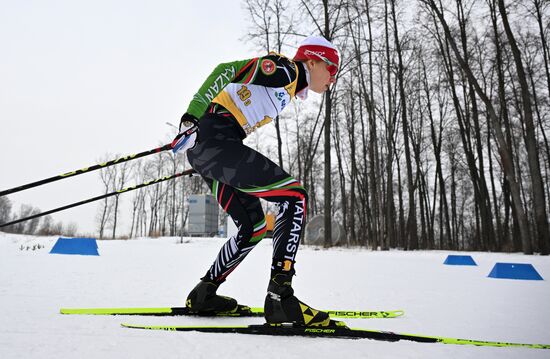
[260, 229]
[246, 232]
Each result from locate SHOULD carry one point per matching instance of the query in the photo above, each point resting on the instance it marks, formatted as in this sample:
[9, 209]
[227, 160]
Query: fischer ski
[242, 311]
[339, 331]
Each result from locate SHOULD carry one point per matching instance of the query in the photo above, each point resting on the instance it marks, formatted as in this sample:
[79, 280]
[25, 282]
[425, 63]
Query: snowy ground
[441, 300]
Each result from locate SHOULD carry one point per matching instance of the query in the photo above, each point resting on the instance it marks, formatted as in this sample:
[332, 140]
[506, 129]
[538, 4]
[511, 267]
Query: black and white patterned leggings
[239, 176]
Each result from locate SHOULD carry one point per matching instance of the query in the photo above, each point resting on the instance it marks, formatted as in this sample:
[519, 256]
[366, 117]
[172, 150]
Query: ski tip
[140, 326]
[398, 313]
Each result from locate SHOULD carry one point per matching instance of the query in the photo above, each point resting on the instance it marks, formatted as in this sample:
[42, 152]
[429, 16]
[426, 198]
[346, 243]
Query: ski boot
[281, 306]
[203, 299]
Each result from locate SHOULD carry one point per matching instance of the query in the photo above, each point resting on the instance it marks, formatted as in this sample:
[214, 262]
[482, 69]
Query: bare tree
[5, 209]
[411, 232]
[71, 229]
[46, 227]
[121, 176]
[272, 23]
[107, 176]
[539, 204]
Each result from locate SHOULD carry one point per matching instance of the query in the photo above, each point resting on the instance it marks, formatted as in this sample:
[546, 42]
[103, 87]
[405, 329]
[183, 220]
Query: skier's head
[322, 60]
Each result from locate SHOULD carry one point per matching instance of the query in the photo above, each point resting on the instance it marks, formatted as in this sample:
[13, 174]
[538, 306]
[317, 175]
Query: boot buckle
[274, 296]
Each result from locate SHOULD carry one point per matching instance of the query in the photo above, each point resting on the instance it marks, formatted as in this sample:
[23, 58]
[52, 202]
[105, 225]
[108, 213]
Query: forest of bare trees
[435, 135]
[157, 210]
[42, 226]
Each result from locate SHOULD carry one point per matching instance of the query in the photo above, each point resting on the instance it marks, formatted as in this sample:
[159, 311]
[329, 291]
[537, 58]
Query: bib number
[244, 94]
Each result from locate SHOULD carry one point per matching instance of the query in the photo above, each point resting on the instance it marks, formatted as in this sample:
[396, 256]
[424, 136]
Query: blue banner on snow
[82, 246]
[515, 271]
[456, 260]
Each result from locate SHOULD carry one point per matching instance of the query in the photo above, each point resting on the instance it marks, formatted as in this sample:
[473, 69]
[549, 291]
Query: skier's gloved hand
[187, 136]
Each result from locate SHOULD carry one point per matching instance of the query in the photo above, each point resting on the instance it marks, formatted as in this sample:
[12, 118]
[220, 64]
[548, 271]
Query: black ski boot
[203, 299]
[281, 306]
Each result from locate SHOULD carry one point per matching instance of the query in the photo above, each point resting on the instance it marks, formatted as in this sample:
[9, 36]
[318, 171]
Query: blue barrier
[515, 271]
[456, 260]
[82, 246]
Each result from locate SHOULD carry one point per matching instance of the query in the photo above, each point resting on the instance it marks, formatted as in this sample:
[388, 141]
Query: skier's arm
[222, 75]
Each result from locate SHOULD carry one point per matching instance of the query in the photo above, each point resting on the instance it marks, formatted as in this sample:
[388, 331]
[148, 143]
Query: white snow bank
[454, 301]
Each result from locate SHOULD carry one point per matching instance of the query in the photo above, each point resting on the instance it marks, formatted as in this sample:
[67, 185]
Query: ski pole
[87, 169]
[127, 189]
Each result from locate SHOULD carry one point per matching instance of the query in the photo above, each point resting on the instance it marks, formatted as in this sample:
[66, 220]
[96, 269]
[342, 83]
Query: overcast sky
[79, 79]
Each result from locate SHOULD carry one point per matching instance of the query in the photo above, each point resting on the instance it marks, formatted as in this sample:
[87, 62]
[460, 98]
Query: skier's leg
[249, 218]
[248, 215]
[281, 306]
[221, 155]
[259, 177]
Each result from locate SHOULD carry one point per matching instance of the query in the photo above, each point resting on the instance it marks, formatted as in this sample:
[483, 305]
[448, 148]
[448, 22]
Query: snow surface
[453, 301]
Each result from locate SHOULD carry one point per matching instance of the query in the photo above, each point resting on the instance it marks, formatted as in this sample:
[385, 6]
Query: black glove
[187, 136]
[186, 121]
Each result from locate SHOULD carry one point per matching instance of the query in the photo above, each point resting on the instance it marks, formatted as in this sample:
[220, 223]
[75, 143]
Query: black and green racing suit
[237, 98]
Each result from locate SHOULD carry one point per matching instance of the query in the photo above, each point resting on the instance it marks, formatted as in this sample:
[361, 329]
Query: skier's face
[320, 77]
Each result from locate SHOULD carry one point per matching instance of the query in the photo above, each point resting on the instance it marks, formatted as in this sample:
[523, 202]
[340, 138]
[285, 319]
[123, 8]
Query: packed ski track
[439, 300]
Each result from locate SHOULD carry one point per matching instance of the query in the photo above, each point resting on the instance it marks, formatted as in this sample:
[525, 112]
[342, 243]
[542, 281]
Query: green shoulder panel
[222, 75]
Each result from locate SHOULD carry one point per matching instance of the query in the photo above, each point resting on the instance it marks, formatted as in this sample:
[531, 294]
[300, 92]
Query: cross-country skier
[236, 99]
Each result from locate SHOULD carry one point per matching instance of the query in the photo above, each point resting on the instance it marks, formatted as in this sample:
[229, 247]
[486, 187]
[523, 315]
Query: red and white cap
[319, 48]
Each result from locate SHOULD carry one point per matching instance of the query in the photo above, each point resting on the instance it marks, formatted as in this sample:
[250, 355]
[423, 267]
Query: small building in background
[203, 215]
